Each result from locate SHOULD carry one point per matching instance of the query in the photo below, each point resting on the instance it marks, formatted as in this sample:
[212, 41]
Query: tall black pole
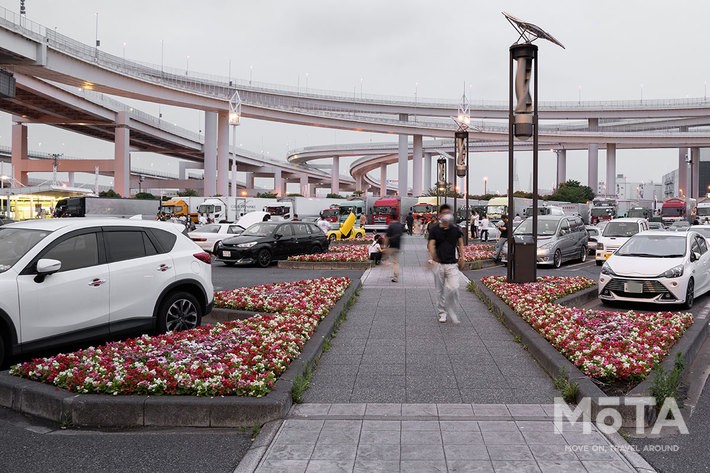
[536, 163]
[511, 170]
[468, 208]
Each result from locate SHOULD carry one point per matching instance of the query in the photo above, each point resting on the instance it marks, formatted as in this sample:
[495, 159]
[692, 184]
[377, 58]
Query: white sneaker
[442, 318]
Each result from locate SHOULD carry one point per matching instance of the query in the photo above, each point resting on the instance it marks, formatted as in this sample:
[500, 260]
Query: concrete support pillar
[611, 168]
[210, 152]
[695, 173]
[427, 171]
[383, 180]
[233, 179]
[304, 186]
[358, 182]
[683, 171]
[403, 161]
[19, 154]
[121, 156]
[70, 178]
[223, 153]
[561, 166]
[593, 159]
[250, 180]
[278, 183]
[335, 176]
[417, 152]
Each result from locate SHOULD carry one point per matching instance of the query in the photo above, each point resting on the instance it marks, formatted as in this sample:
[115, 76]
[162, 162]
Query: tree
[334, 196]
[145, 196]
[449, 192]
[266, 195]
[573, 191]
[188, 193]
[358, 193]
[111, 194]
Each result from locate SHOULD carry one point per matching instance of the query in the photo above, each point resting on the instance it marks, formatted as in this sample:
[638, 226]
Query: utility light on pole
[235, 116]
[523, 124]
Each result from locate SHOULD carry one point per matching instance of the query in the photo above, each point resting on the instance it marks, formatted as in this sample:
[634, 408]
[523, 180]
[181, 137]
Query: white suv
[70, 280]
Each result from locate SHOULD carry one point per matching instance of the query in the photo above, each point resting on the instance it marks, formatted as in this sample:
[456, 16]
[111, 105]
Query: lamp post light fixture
[523, 125]
[440, 179]
[463, 121]
[485, 185]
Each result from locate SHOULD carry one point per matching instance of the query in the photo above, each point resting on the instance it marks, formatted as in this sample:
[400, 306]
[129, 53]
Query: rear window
[126, 245]
[165, 240]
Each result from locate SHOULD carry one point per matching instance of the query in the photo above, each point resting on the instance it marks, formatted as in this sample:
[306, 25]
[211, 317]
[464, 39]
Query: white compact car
[657, 267]
[207, 236]
[69, 280]
[616, 233]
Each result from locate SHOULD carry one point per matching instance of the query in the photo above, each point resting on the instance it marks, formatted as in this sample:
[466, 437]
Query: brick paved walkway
[400, 392]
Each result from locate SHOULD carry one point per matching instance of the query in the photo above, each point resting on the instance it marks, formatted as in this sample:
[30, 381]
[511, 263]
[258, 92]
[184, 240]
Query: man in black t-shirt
[503, 228]
[446, 256]
[393, 238]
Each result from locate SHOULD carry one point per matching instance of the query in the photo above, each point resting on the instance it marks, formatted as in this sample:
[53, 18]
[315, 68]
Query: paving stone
[455, 410]
[490, 410]
[427, 452]
[420, 425]
[342, 452]
[347, 410]
[291, 451]
[552, 452]
[383, 409]
[466, 452]
[503, 438]
[373, 466]
[410, 410]
[461, 437]
[470, 466]
[418, 437]
[510, 452]
[330, 466]
[547, 466]
[459, 426]
[513, 466]
[382, 437]
[312, 409]
[525, 410]
[374, 425]
[283, 466]
[547, 438]
[537, 426]
[497, 426]
[378, 452]
[409, 466]
[304, 425]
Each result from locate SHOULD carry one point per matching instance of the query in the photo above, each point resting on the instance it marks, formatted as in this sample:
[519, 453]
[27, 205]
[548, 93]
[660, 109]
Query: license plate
[226, 254]
[633, 287]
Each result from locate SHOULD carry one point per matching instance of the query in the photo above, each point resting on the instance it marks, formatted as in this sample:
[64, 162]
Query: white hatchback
[72, 280]
[657, 267]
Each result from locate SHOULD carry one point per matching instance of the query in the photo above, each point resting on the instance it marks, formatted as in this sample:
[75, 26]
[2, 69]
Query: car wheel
[3, 352]
[600, 262]
[315, 249]
[228, 263]
[214, 249]
[557, 259]
[263, 258]
[332, 237]
[583, 254]
[179, 311]
[689, 295]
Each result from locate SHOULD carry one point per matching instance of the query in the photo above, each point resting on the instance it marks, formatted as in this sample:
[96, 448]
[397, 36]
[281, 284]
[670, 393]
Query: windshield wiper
[649, 255]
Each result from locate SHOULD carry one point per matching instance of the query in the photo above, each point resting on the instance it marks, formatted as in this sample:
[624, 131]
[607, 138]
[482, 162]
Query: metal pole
[468, 207]
[511, 207]
[535, 167]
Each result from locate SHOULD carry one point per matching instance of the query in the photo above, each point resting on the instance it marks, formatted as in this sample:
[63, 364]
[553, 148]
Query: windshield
[168, 209]
[497, 209]
[15, 242]
[260, 229]
[703, 211]
[621, 229]
[638, 213]
[423, 209]
[600, 212]
[672, 211]
[330, 213]
[544, 227]
[654, 246]
[384, 210]
[205, 209]
[277, 210]
[208, 229]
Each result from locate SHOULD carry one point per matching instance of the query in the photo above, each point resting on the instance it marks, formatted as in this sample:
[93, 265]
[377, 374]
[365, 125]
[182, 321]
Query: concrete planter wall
[359, 265]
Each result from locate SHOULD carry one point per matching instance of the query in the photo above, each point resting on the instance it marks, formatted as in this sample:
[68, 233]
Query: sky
[614, 50]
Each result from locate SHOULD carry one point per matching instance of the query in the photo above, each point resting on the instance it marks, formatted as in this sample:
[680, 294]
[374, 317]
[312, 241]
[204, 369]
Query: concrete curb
[357, 265]
[634, 459]
[481, 264]
[98, 410]
[251, 460]
[220, 314]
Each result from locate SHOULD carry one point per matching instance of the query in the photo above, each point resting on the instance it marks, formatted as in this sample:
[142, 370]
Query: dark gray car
[559, 239]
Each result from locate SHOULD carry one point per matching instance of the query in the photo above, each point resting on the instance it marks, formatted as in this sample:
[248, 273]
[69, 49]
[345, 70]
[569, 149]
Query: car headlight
[547, 246]
[219, 243]
[606, 269]
[675, 272]
[246, 245]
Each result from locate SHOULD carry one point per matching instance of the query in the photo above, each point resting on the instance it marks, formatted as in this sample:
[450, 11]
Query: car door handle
[96, 282]
[163, 267]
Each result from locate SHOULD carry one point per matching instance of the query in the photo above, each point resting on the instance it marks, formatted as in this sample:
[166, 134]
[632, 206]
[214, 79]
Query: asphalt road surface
[30, 445]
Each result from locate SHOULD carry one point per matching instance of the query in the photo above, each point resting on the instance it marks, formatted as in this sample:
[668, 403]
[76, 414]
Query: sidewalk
[400, 392]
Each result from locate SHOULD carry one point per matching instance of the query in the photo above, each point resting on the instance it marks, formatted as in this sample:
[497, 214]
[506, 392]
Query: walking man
[484, 224]
[410, 223]
[503, 227]
[393, 239]
[445, 241]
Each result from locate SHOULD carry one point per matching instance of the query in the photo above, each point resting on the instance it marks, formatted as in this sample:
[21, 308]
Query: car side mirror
[277, 236]
[695, 256]
[45, 267]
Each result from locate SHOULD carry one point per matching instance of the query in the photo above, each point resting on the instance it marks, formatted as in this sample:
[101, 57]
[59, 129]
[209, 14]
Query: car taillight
[198, 239]
[204, 257]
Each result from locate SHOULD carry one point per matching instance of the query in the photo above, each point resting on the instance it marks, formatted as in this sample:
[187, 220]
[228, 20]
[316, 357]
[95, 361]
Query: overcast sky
[614, 50]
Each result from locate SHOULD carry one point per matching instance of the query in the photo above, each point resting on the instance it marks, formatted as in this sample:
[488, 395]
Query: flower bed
[478, 252]
[607, 345]
[243, 358]
[340, 254]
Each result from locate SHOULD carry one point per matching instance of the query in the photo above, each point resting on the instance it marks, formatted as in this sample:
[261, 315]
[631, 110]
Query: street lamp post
[463, 120]
[485, 185]
[441, 179]
[235, 114]
[523, 124]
